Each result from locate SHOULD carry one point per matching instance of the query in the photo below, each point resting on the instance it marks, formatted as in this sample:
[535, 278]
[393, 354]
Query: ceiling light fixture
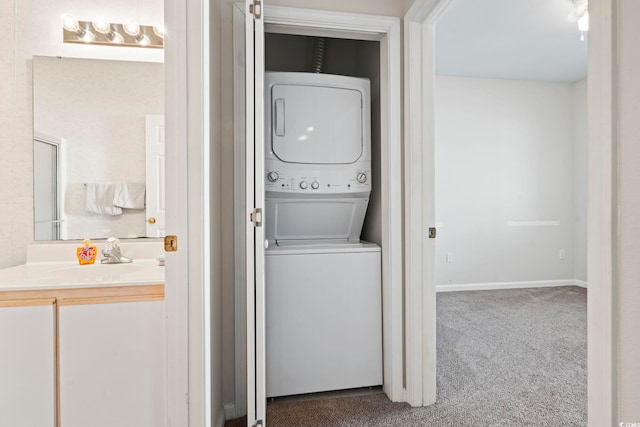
[580, 14]
[108, 33]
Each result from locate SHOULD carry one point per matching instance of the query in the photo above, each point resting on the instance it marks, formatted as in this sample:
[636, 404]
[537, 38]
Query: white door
[27, 363]
[155, 176]
[112, 364]
[255, 290]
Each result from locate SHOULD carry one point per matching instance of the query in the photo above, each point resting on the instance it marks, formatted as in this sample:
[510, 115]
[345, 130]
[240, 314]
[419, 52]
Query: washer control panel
[321, 182]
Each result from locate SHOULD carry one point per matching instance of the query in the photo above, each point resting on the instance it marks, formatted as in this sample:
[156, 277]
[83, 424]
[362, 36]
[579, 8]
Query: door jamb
[601, 210]
[420, 292]
[190, 158]
[602, 207]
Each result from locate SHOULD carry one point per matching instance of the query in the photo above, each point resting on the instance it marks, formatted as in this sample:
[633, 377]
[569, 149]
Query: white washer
[323, 318]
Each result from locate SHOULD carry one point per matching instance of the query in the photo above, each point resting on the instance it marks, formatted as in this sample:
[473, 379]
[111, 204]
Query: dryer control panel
[356, 180]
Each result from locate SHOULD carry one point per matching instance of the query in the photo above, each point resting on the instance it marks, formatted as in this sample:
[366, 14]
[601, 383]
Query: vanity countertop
[58, 275]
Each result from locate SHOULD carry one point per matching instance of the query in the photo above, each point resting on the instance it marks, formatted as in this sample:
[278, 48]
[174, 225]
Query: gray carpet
[505, 358]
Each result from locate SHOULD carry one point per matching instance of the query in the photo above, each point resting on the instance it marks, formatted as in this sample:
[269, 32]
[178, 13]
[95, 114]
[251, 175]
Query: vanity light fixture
[103, 27]
[580, 14]
[102, 32]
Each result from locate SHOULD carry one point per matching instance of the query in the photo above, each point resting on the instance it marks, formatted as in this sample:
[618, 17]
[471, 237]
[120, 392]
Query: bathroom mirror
[98, 148]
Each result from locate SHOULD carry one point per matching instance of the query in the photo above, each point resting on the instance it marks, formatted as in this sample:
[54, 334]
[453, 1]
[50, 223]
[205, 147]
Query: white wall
[99, 108]
[375, 7]
[13, 224]
[626, 265]
[504, 151]
[32, 27]
[580, 131]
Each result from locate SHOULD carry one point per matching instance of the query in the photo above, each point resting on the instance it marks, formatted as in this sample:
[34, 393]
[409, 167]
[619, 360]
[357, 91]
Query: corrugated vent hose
[319, 46]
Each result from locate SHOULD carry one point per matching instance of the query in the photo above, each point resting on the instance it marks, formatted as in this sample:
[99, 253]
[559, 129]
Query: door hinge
[256, 217]
[170, 243]
[256, 9]
[259, 423]
[432, 232]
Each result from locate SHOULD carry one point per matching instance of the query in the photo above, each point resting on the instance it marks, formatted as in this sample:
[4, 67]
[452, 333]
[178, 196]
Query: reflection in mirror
[98, 148]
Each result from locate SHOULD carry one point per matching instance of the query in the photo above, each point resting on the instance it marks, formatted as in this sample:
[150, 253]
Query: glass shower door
[46, 190]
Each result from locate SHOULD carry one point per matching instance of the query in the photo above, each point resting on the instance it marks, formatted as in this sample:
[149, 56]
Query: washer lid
[316, 124]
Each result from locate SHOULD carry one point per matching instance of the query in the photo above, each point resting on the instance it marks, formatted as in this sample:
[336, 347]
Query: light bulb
[87, 36]
[115, 37]
[101, 25]
[583, 22]
[132, 29]
[70, 23]
[159, 30]
[143, 40]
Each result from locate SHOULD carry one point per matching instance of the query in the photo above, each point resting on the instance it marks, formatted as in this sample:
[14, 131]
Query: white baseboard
[507, 285]
[221, 419]
[581, 283]
[229, 411]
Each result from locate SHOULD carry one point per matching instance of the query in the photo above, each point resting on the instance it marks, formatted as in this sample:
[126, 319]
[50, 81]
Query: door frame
[192, 214]
[601, 210]
[366, 27]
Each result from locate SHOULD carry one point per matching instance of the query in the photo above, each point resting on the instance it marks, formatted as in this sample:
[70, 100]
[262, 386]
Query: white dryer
[318, 156]
[323, 286]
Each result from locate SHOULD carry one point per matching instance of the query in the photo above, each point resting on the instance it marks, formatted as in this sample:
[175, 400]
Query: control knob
[315, 185]
[362, 177]
[304, 185]
[273, 176]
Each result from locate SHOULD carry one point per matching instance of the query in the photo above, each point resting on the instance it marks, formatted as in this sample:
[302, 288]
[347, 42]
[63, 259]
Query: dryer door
[316, 124]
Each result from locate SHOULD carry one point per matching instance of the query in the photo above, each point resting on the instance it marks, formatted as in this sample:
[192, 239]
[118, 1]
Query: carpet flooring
[504, 358]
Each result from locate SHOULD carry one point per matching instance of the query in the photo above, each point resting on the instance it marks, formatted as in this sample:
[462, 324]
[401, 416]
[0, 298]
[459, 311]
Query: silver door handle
[279, 117]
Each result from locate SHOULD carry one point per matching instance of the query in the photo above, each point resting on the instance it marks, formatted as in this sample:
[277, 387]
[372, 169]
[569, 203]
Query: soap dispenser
[87, 252]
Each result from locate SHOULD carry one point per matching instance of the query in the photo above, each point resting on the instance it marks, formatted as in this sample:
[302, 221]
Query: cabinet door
[27, 364]
[112, 365]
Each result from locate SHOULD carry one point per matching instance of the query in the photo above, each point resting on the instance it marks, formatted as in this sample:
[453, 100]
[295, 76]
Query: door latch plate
[170, 243]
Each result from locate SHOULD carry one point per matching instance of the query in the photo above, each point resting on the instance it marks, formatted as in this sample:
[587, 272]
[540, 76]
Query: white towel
[99, 199]
[129, 195]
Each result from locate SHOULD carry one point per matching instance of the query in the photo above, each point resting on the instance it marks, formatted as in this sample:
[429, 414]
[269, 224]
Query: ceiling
[510, 39]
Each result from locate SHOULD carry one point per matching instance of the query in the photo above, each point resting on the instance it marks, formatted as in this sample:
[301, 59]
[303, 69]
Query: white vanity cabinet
[112, 363]
[27, 363]
[79, 357]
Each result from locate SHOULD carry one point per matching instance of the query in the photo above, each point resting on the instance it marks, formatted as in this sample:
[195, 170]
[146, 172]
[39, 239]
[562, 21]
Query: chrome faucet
[112, 254]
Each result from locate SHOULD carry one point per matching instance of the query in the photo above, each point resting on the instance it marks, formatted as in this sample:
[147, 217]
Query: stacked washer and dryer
[323, 284]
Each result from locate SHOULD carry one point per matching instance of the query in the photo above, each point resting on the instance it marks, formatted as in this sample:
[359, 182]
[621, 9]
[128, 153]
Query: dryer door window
[316, 124]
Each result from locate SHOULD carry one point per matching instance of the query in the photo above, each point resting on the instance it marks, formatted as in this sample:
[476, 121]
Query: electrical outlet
[449, 257]
[561, 254]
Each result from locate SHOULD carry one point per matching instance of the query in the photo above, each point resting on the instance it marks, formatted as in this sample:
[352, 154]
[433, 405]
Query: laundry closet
[323, 214]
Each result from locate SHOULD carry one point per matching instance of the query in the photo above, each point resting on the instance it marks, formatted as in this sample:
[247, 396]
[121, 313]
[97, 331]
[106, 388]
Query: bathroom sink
[94, 272]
